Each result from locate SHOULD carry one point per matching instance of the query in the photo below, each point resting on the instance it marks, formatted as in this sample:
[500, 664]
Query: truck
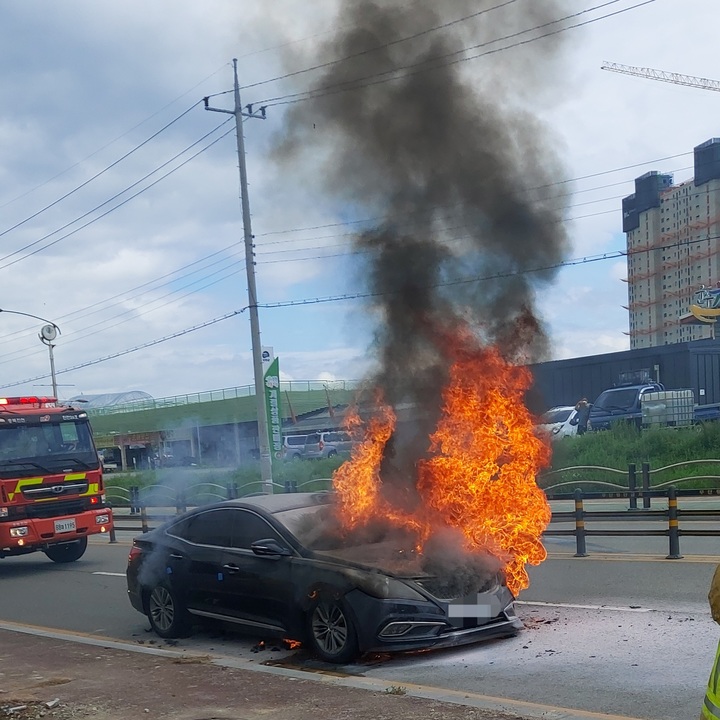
[51, 484]
[649, 404]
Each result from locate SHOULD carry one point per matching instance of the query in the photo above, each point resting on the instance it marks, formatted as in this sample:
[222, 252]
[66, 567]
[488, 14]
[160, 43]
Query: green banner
[274, 415]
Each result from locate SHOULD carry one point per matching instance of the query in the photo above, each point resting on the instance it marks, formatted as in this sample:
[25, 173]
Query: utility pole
[239, 112]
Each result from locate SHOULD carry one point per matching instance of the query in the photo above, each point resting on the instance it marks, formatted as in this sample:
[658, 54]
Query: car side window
[249, 528]
[213, 527]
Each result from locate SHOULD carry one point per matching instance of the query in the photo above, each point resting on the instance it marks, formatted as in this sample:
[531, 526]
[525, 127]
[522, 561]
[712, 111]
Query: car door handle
[176, 556]
[231, 568]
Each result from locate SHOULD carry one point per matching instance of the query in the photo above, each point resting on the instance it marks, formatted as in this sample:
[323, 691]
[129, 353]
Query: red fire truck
[51, 486]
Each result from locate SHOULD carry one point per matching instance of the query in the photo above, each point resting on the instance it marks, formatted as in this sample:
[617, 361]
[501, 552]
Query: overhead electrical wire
[360, 296]
[382, 46]
[112, 142]
[119, 205]
[114, 197]
[435, 63]
[98, 174]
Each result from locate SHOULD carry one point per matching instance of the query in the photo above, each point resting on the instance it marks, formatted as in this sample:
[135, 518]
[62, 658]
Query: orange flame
[479, 477]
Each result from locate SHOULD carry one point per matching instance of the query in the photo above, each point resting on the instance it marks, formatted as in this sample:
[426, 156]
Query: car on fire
[257, 563]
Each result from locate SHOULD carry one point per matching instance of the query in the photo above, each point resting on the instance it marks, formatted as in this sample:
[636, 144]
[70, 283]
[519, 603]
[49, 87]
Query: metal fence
[222, 394]
[599, 483]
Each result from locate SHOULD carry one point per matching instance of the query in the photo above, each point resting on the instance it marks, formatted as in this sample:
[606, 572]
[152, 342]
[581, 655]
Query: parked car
[327, 444]
[252, 563]
[559, 422]
[294, 447]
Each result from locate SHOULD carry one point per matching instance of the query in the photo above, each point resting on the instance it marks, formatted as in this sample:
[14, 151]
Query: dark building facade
[692, 365]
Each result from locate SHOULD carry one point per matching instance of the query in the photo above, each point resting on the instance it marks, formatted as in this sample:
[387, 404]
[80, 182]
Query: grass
[624, 445]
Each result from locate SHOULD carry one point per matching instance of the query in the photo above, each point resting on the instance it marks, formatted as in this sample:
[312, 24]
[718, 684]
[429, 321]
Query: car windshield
[47, 446]
[318, 530]
[615, 400]
[555, 416]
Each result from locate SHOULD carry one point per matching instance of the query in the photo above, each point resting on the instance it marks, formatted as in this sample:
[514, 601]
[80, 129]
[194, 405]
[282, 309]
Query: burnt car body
[242, 562]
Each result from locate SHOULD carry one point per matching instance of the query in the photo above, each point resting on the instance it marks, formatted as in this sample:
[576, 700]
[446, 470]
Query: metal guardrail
[671, 516]
[140, 521]
[222, 394]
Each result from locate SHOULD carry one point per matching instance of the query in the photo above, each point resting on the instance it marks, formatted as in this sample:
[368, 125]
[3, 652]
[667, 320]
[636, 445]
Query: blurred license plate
[63, 526]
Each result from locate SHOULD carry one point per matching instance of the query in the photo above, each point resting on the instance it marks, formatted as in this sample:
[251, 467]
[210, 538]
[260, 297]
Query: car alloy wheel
[332, 631]
[167, 616]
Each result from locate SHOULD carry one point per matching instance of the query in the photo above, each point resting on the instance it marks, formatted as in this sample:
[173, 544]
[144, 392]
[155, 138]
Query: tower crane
[671, 77]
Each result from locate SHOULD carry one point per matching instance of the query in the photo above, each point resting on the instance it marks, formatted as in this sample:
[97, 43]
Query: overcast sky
[85, 86]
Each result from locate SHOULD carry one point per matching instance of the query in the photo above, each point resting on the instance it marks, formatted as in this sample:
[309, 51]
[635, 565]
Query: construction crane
[677, 78]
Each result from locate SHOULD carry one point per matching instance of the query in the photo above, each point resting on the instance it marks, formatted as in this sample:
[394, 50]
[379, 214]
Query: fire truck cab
[51, 486]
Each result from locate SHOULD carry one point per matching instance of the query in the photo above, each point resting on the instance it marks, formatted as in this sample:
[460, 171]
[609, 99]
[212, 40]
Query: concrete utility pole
[239, 113]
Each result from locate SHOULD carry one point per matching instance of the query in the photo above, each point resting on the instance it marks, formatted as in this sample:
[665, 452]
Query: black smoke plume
[446, 151]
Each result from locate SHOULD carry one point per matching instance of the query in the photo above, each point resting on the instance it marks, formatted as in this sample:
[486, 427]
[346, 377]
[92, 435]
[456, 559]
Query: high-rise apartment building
[673, 245]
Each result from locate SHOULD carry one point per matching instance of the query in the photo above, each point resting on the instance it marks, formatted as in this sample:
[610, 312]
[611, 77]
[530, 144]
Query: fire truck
[51, 485]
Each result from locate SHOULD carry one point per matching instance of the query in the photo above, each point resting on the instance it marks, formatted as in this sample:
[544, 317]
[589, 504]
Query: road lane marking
[428, 692]
[625, 608]
[100, 572]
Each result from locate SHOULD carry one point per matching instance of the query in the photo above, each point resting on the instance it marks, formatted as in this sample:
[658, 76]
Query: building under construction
[672, 244]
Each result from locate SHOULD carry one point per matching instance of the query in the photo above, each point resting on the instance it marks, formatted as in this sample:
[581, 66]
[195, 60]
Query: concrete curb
[528, 710]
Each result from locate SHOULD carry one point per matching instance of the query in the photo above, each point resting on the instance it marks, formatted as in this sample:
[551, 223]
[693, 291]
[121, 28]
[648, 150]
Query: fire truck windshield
[30, 446]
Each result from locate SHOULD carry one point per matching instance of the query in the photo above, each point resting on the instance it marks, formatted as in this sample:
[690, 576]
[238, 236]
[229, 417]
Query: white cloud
[85, 82]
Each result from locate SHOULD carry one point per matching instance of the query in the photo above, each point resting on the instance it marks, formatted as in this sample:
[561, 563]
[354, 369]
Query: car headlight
[382, 586]
[18, 532]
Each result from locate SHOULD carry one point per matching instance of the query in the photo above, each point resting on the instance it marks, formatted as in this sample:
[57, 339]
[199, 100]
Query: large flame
[479, 473]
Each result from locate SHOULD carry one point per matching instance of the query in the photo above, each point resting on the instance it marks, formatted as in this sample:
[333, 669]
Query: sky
[120, 217]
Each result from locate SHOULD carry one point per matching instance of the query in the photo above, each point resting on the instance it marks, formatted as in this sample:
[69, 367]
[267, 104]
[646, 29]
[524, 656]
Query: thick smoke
[447, 153]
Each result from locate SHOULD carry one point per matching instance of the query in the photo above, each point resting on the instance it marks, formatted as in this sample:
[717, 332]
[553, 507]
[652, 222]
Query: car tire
[332, 453]
[167, 614]
[331, 632]
[67, 552]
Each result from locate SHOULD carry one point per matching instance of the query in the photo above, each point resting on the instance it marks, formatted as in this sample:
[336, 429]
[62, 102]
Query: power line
[111, 142]
[119, 205]
[109, 200]
[97, 175]
[359, 296]
[435, 63]
[360, 53]
[120, 353]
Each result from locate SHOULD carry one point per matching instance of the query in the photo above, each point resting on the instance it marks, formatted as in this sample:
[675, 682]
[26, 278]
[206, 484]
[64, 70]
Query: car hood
[442, 577]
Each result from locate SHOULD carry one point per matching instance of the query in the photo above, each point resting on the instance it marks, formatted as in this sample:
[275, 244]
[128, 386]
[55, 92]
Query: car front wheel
[67, 552]
[166, 613]
[332, 634]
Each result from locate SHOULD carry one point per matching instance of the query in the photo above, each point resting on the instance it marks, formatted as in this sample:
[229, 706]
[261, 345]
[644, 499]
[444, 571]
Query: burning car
[275, 565]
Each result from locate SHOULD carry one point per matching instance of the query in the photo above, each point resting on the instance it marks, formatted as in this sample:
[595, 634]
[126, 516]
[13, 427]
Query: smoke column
[455, 163]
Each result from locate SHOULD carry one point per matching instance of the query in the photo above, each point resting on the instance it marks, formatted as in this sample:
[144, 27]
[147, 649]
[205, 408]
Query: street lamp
[47, 334]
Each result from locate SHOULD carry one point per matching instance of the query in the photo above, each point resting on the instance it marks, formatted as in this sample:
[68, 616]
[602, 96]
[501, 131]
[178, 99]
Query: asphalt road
[623, 632]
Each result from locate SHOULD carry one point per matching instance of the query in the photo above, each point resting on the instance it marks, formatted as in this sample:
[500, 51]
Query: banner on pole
[274, 414]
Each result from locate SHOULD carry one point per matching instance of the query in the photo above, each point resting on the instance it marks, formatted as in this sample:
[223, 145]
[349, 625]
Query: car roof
[280, 502]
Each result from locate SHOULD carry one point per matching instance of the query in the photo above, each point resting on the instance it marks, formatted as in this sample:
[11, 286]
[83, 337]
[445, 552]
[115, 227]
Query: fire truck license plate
[63, 526]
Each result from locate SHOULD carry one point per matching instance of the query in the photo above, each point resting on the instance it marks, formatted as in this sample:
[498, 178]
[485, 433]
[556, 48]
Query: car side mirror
[270, 548]
[574, 421]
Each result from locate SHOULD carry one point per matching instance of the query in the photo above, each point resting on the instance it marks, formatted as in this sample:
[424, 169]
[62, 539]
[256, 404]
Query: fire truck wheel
[67, 552]
[167, 615]
[331, 631]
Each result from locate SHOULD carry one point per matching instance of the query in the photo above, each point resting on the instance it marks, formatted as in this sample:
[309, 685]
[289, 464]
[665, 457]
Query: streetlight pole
[47, 334]
[263, 440]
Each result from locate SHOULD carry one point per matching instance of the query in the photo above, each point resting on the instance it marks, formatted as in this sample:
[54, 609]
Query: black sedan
[260, 564]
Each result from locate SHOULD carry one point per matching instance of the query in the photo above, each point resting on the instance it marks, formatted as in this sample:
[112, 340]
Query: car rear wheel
[167, 615]
[332, 634]
[67, 552]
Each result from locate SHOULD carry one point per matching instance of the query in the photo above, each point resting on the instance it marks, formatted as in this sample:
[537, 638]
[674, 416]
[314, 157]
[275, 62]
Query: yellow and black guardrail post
[580, 525]
[673, 525]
